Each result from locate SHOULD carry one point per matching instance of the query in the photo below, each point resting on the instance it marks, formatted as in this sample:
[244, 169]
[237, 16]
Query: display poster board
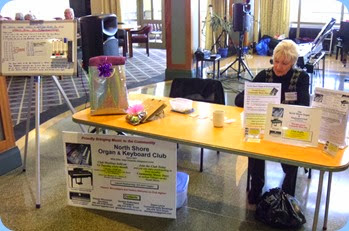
[256, 99]
[30, 48]
[334, 120]
[291, 124]
[126, 174]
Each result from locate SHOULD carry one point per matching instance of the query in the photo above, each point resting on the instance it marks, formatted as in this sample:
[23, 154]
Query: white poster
[38, 47]
[295, 125]
[126, 174]
[334, 105]
[256, 99]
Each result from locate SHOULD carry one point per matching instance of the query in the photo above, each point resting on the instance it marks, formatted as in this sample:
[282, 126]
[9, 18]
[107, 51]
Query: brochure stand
[36, 48]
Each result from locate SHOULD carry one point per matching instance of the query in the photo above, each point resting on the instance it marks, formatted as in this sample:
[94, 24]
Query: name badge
[291, 96]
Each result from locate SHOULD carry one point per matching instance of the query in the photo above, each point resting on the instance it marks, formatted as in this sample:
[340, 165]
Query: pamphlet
[127, 174]
[291, 124]
[334, 120]
[256, 99]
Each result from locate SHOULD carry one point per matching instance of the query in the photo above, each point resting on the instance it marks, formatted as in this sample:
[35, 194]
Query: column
[181, 19]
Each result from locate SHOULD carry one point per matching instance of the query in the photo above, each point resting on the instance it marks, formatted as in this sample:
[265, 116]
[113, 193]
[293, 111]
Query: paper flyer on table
[126, 174]
[334, 105]
[291, 124]
[256, 99]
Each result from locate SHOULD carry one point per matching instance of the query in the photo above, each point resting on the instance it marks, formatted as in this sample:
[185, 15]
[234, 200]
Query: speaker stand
[242, 66]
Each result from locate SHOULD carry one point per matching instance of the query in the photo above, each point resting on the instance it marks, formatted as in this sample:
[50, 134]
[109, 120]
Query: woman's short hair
[288, 49]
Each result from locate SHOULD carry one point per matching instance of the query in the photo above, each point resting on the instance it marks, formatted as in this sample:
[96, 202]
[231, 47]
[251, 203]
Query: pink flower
[135, 109]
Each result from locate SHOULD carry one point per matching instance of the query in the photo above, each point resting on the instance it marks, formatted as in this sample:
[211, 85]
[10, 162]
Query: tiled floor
[216, 197]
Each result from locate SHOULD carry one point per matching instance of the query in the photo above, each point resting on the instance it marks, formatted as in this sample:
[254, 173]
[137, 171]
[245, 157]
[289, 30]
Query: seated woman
[294, 90]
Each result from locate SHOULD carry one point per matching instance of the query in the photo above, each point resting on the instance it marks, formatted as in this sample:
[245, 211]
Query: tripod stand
[240, 60]
[224, 34]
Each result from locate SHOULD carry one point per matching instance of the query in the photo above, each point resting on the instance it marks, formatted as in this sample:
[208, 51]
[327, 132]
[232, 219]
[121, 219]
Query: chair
[339, 49]
[140, 36]
[343, 34]
[122, 37]
[204, 90]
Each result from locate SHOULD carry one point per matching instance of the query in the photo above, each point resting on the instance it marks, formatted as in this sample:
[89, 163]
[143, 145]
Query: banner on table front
[126, 174]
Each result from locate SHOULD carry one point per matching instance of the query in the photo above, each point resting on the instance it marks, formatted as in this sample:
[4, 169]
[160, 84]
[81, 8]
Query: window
[42, 9]
[316, 11]
[203, 14]
[157, 9]
[147, 10]
[152, 10]
[129, 12]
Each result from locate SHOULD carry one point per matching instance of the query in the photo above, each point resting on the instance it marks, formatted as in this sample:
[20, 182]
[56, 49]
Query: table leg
[126, 41]
[214, 69]
[327, 200]
[318, 200]
[130, 50]
[323, 71]
[218, 73]
[311, 83]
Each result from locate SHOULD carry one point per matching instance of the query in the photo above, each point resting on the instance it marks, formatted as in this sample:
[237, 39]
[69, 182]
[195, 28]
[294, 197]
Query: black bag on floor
[279, 210]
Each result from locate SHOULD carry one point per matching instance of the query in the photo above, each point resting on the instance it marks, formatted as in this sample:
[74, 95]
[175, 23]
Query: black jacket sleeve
[239, 99]
[303, 97]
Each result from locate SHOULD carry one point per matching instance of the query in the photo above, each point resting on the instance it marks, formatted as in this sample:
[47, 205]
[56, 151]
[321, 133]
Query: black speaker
[241, 17]
[238, 16]
[98, 36]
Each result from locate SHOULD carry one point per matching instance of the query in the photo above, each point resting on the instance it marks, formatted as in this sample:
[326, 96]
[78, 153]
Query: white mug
[218, 118]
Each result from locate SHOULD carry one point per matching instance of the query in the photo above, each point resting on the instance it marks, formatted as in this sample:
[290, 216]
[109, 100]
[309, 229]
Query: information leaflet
[126, 174]
[295, 125]
[256, 99]
[334, 105]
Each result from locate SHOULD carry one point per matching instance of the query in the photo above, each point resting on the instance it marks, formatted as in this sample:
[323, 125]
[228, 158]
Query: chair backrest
[344, 31]
[147, 29]
[204, 90]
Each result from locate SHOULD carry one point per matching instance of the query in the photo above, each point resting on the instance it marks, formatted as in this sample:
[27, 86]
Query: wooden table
[230, 139]
[128, 29]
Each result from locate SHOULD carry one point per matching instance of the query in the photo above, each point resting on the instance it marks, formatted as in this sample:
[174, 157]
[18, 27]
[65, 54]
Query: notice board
[38, 48]
[126, 174]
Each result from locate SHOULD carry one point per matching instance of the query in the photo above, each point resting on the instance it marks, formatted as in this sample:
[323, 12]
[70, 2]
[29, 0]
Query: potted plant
[217, 24]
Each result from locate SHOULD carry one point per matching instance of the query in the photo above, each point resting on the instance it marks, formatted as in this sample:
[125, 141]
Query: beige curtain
[217, 8]
[275, 17]
[112, 7]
